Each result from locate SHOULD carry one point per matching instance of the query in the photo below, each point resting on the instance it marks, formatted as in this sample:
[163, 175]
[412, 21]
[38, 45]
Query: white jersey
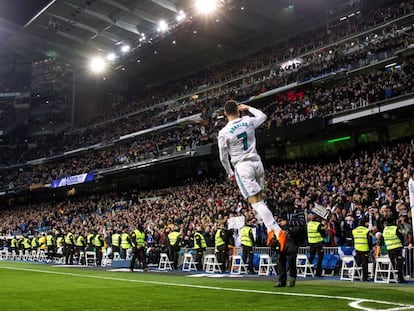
[237, 140]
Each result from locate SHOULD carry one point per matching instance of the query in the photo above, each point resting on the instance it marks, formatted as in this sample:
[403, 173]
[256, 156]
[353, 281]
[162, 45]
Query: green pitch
[27, 286]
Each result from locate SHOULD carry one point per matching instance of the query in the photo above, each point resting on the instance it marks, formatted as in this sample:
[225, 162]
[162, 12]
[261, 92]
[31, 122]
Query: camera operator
[292, 220]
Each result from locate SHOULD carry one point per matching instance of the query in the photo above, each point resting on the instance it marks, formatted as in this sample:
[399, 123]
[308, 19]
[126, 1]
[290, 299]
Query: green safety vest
[96, 241]
[80, 241]
[124, 241]
[26, 243]
[115, 239]
[89, 238]
[59, 241]
[173, 237]
[139, 237]
[218, 239]
[14, 243]
[49, 240]
[314, 236]
[391, 238]
[69, 238]
[35, 243]
[245, 236]
[202, 239]
[360, 238]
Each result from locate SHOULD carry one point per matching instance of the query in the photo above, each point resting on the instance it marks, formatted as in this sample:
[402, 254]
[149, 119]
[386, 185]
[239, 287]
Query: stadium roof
[77, 30]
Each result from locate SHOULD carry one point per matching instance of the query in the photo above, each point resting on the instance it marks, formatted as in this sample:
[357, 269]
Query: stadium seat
[188, 263]
[384, 270]
[165, 263]
[90, 258]
[211, 265]
[349, 268]
[237, 265]
[304, 267]
[266, 266]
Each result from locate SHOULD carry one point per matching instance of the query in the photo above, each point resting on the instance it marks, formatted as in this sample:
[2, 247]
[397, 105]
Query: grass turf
[26, 286]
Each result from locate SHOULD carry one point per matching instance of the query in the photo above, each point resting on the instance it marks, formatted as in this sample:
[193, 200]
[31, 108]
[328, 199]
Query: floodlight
[180, 16]
[111, 57]
[125, 48]
[162, 26]
[97, 65]
[206, 6]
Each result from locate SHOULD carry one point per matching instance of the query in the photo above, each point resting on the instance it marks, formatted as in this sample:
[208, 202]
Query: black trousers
[139, 254]
[70, 250]
[362, 261]
[397, 261]
[174, 255]
[199, 258]
[288, 256]
[248, 257]
[313, 250]
[222, 256]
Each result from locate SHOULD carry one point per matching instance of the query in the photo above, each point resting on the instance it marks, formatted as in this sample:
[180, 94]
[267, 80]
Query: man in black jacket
[292, 220]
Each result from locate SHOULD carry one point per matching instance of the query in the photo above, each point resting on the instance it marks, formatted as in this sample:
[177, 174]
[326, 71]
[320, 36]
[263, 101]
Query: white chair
[165, 263]
[188, 263]
[384, 270]
[211, 264]
[303, 265]
[90, 258]
[237, 265]
[117, 256]
[266, 266]
[349, 269]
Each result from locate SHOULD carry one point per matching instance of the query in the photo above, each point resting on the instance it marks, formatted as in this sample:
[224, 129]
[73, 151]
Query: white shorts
[249, 177]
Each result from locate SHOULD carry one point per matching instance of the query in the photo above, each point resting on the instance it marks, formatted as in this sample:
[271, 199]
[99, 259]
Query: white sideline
[354, 302]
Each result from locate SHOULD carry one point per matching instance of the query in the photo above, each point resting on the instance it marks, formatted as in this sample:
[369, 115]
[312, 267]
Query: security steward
[247, 243]
[125, 243]
[70, 248]
[221, 248]
[292, 220]
[200, 246]
[394, 240]
[116, 242]
[363, 246]
[174, 244]
[50, 243]
[98, 243]
[138, 241]
[80, 244]
[316, 233]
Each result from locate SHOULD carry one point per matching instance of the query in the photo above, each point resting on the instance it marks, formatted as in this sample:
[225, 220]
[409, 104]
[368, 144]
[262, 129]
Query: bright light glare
[97, 65]
[125, 48]
[162, 26]
[206, 6]
[180, 16]
[111, 57]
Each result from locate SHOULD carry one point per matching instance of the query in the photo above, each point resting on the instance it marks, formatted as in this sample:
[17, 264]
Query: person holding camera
[292, 221]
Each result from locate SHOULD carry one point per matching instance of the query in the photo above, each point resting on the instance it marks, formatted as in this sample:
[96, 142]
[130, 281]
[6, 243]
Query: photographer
[292, 221]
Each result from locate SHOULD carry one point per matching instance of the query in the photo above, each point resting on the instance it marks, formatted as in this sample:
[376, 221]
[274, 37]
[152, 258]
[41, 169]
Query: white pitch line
[354, 302]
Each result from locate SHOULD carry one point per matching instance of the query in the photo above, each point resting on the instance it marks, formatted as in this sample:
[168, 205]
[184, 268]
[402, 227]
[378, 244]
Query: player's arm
[224, 155]
[258, 116]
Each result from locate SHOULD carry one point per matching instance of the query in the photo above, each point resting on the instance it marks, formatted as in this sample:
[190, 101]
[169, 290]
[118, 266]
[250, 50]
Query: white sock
[267, 216]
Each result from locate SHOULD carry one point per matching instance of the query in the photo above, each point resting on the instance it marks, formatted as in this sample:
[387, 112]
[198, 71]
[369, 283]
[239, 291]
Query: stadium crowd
[317, 63]
[368, 185]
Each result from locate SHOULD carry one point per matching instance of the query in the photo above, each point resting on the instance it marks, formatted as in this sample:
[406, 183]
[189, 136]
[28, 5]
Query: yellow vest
[314, 236]
[124, 241]
[245, 236]
[202, 239]
[360, 238]
[218, 239]
[173, 237]
[115, 239]
[391, 238]
[139, 237]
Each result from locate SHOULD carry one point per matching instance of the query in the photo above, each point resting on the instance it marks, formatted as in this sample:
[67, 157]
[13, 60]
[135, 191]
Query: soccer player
[237, 143]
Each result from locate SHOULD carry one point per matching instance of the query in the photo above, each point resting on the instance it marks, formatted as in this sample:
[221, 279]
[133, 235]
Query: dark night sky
[20, 11]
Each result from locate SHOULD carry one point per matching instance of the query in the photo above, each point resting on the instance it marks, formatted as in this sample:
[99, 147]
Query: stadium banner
[72, 180]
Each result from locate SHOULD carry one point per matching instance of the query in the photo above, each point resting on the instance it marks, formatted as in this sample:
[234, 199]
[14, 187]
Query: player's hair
[230, 107]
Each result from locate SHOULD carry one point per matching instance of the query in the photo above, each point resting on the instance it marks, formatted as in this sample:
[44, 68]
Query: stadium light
[111, 57]
[162, 26]
[97, 65]
[180, 16]
[125, 48]
[206, 6]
